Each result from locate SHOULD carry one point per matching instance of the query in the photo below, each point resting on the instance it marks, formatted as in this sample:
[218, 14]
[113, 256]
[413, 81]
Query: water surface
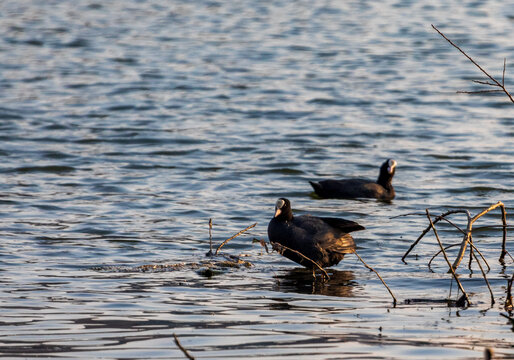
[126, 125]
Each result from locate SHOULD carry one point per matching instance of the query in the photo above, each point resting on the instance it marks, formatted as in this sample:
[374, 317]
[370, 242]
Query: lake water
[126, 125]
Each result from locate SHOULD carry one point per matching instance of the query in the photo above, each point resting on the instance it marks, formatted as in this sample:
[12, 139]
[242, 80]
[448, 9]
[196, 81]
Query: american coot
[360, 188]
[322, 239]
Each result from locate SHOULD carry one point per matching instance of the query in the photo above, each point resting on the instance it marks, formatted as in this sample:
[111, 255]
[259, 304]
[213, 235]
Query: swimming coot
[324, 240]
[382, 189]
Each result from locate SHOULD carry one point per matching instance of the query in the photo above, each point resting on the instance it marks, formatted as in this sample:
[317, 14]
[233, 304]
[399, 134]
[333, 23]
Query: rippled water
[126, 125]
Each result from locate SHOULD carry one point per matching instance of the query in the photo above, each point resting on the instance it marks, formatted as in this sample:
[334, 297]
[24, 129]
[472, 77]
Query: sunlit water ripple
[126, 125]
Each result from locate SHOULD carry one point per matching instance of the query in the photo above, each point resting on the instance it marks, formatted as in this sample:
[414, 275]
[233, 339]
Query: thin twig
[471, 244]
[485, 277]
[440, 251]
[454, 225]
[479, 253]
[484, 83]
[470, 257]
[263, 244]
[496, 83]
[427, 229]
[232, 237]
[446, 257]
[508, 253]
[508, 317]
[210, 237]
[183, 349]
[504, 221]
[509, 306]
[380, 277]
[280, 249]
[503, 75]
[464, 243]
[478, 92]
[471, 221]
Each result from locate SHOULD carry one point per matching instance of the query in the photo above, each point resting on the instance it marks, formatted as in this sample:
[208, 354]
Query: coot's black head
[283, 210]
[387, 172]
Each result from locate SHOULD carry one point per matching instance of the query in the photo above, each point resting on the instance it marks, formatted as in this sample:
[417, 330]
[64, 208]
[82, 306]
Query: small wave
[479, 189]
[450, 157]
[57, 169]
[339, 102]
[129, 89]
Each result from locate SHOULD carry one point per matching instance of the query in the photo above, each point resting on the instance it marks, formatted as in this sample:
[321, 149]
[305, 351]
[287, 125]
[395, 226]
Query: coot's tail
[318, 189]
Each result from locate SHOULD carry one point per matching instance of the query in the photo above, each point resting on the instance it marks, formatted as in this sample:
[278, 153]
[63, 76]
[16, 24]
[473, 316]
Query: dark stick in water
[210, 237]
[509, 305]
[183, 349]
[380, 277]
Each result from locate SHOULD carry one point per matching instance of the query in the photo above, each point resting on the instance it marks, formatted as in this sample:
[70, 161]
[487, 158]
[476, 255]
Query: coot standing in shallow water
[382, 189]
[322, 239]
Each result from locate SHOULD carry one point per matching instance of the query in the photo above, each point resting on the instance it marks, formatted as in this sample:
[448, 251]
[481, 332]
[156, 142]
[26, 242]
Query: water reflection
[341, 283]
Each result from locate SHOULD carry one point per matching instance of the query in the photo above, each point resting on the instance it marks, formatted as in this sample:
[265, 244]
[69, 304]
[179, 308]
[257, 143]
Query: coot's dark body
[381, 189]
[323, 240]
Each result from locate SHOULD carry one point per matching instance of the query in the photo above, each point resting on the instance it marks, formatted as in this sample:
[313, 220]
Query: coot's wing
[342, 224]
[349, 188]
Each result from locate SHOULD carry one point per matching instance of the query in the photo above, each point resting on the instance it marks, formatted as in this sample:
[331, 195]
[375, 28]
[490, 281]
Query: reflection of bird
[341, 283]
[488, 353]
[360, 188]
[323, 240]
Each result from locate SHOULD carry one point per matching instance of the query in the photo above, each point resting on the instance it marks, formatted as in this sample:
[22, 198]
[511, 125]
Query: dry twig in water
[494, 83]
[380, 277]
[467, 240]
[483, 274]
[262, 243]
[467, 233]
[210, 238]
[232, 237]
[471, 254]
[183, 349]
[427, 229]
[509, 306]
[446, 257]
[467, 236]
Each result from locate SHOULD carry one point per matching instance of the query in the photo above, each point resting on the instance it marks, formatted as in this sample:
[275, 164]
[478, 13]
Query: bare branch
[183, 349]
[232, 237]
[496, 83]
[479, 253]
[508, 300]
[440, 251]
[436, 220]
[210, 237]
[504, 220]
[503, 75]
[484, 83]
[478, 92]
[446, 257]
[380, 277]
[485, 277]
